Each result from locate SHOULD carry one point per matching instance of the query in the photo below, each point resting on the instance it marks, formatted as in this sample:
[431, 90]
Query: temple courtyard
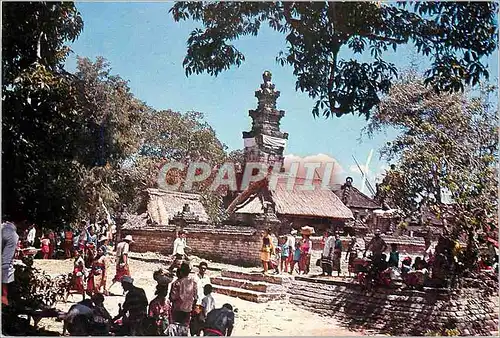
[274, 318]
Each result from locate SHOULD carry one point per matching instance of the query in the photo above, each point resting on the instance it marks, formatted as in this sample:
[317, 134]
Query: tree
[39, 175]
[456, 35]
[187, 138]
[448, 145]
[109, 132]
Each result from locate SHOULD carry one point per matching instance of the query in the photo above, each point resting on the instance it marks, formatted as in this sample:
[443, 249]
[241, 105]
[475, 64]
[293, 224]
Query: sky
[144, 45]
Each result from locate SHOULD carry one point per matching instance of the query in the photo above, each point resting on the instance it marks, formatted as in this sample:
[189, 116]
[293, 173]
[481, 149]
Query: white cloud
[322, 160]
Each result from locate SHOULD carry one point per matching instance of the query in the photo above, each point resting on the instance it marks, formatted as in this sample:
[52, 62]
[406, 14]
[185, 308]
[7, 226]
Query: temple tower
[265, 143]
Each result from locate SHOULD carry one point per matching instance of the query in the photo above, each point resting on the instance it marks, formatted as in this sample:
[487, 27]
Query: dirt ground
[278, 318]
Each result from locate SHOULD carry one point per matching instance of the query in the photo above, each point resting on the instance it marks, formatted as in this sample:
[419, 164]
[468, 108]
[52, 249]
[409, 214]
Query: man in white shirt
[327, 254]
[31, 235]
[201, 279]
[180, 245]
[9, 246]
[290, 242]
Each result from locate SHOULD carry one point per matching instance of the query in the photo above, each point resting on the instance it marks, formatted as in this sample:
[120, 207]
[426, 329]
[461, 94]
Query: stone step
[257, 277]
[252, 296]
[247, 285]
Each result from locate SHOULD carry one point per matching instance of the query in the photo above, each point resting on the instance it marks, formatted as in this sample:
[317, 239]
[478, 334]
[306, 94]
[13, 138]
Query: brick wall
[241, 247]
[399, 312]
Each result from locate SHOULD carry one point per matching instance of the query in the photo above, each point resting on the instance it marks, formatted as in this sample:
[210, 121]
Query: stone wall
[234, 245]
[398, 312]
[406, 245]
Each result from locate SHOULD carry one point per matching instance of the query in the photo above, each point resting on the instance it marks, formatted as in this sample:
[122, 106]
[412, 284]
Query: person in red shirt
[52, 244]
[45, 246]
[68, 242]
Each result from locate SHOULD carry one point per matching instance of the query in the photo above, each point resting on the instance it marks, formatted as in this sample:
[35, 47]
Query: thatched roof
[163, 205]
[353, 198]
[318, 202]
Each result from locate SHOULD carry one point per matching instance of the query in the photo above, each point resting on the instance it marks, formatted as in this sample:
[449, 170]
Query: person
[10, 239]
[327, 254]
[200, 314]
[45, 246]
[267, 250]
[78, 275]
[103, 244]
[352, 254]
[76, 241]
[52, 243]
[160, 309]
[134, 309]
[179, 252]
[394, 256]
[201, 279]
[220, 322]
[285, 253]
[296, 256]
[305, 254]
[122, 268]
[91, 235]
[290, 240]
[184, 292]
[178, 327]
[337, 254]
[377, 246]
[97, 276]
[101, 317]
[208, 302]
[31, 235]
[68, 242]
[78, 319]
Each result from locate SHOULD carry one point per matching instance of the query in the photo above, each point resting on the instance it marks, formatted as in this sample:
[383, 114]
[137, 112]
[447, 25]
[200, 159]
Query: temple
[265, 143]
[290, 204]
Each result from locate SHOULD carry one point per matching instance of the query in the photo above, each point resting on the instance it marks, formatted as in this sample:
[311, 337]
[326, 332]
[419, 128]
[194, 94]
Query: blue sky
[145, 46]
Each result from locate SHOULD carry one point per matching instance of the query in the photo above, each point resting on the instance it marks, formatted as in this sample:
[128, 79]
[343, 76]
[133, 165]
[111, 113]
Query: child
[296, 255]
[198, 317]
[394, 256]
[284, 254]
[208, 302]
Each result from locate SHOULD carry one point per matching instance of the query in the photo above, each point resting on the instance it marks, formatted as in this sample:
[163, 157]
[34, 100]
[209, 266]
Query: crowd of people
[50, 244]
[183, 305]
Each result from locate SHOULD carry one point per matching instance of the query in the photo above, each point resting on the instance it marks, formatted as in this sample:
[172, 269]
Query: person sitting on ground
[377, 246]
[394, 256]
[134, 309]
[406, 265]
[101, 317]
[78, 319]
[160, 309]
[219, 322]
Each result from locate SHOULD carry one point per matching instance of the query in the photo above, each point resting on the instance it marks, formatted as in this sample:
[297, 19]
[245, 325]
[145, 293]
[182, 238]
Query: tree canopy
[448, 146]
[455, 35]
[39, 111]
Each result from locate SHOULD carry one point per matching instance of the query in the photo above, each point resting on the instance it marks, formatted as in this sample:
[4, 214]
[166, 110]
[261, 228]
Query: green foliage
[448, 145]
[456, 35]
[39, 100]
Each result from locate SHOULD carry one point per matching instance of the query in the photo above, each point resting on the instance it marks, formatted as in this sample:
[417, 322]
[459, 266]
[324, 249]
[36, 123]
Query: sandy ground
[278, 318]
